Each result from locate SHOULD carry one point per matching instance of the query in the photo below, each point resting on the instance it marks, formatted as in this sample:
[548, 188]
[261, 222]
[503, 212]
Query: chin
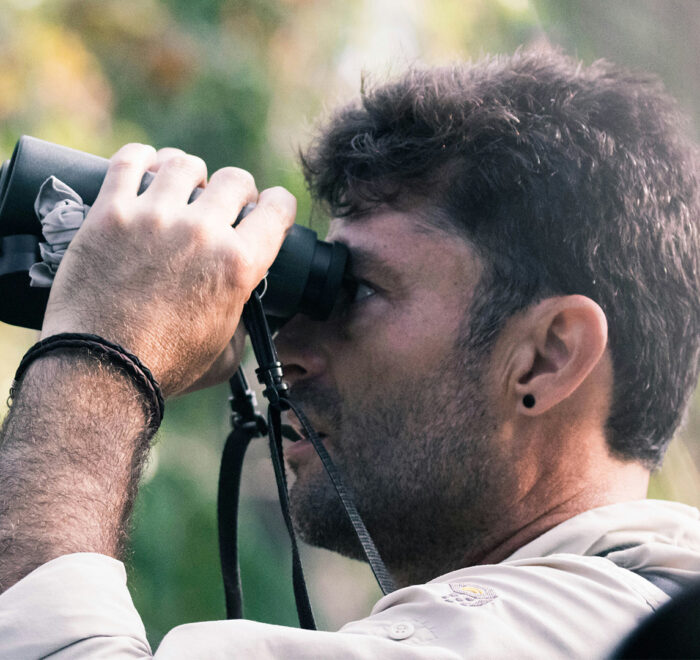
[319, 517]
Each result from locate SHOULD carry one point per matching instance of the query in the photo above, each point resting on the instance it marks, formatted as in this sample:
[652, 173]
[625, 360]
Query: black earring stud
[529, 401]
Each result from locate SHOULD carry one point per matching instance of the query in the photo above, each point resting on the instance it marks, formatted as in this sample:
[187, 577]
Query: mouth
[290, 433]
[301, 448]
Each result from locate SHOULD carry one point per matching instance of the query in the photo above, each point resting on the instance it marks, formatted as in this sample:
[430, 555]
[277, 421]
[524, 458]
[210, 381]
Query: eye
[354, 293]
[361, 292]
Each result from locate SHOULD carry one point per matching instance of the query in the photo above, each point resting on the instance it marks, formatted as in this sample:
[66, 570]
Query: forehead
[404, 241]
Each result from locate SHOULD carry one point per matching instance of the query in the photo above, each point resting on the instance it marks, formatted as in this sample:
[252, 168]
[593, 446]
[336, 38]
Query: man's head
[568, 195]
[567, 180]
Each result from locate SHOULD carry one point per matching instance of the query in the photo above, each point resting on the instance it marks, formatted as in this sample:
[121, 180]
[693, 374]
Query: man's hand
[164, 278]
[224, 366]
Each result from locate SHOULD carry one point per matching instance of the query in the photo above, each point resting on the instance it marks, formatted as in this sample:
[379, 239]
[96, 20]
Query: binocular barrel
[306, 277]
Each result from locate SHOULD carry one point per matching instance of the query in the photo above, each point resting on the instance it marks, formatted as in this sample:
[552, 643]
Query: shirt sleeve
[75, 606]
[78, 606]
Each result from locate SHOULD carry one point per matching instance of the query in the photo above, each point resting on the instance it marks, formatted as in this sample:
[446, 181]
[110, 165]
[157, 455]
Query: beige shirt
[552, 598]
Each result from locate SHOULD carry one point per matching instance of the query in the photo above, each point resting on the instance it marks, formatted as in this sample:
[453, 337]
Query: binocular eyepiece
[306, 277]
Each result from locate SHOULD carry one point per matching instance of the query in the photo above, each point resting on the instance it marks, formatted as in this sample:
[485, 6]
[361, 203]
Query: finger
[164, 155]
[228, 191]
[176, 178]
[126, 169]
[167, 153]
[263, 230]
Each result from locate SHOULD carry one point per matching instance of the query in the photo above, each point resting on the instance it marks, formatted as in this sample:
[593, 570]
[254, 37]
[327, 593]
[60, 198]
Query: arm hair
[72, 450]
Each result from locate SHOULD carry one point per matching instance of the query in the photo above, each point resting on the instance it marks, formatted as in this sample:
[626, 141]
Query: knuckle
[283, 194]
[281, 204]
[117, 212]
[130, 154]
[111, 214]
[121, 162]
[155, 218]
[166, 153]
[239, 264]
[240, 272]
[199, 233]
[244, 264]
[279, 210]
[180, 162]
[185, 163]
[237, 176]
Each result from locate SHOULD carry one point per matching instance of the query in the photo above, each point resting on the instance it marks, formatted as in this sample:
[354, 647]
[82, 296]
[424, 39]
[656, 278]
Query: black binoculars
[306, 277]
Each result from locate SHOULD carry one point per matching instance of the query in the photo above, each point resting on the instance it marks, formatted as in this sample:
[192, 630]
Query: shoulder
[556, 606]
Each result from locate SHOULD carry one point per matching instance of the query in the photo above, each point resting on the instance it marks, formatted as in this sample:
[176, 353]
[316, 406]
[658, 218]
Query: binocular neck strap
[386, 584]
[227, 504]
[248, 423]
[301, 595]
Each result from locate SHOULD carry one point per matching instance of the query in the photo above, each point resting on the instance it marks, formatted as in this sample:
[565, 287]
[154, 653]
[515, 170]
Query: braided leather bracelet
[112, 353]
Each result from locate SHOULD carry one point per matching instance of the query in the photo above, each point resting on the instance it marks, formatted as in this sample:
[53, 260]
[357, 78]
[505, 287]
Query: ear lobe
[569, 335]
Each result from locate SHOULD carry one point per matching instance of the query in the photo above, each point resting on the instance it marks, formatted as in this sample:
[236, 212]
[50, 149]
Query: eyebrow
[363, 261]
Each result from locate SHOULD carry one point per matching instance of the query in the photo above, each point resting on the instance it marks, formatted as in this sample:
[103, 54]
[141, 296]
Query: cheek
[398, 346]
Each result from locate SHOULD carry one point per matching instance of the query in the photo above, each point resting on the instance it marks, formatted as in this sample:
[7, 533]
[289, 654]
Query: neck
[529, 515]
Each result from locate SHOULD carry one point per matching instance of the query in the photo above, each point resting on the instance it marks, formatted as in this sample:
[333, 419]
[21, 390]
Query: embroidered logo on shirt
[469, 595]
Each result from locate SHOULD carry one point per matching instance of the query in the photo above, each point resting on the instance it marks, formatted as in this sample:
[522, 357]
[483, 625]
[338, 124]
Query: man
[521, 346]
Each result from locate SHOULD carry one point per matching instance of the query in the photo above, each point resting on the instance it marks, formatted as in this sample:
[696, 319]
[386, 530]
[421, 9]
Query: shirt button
[401, 630]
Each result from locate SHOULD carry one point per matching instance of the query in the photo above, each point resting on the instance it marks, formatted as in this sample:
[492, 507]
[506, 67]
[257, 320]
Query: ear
[565, 338]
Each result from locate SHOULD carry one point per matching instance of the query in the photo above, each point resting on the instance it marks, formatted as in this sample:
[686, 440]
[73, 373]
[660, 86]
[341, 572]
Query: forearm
[161, 276]
[71, 452]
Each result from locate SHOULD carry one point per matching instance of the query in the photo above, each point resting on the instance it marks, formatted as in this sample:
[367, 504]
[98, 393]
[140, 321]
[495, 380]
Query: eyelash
[355, 298]
[356, 292]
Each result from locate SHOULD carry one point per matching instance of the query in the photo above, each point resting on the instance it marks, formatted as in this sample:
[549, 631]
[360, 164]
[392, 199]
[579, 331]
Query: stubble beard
[420, 460]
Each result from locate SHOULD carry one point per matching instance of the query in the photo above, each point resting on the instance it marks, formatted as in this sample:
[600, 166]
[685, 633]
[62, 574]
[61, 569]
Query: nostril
[293, 371]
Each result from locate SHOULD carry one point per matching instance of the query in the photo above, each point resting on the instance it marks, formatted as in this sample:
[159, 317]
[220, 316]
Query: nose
[299, 349]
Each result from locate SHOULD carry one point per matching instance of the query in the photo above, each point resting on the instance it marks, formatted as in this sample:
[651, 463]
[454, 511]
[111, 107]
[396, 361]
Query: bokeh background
[241, 82]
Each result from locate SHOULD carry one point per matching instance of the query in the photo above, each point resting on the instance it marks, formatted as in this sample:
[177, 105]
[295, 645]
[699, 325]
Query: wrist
[68, 386]
[73, 445]
[104, 352]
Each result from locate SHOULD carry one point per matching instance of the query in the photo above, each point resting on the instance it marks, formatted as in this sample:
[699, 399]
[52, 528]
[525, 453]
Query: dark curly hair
[567, 180]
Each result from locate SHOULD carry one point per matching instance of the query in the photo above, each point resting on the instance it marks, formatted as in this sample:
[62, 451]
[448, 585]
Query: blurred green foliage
[238, 82]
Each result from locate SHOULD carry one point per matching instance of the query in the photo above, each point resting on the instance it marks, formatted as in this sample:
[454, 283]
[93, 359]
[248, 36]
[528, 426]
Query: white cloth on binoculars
[61, 212]
[574, 592]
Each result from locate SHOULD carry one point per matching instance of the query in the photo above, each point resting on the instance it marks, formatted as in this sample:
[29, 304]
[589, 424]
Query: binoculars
[306, 277]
